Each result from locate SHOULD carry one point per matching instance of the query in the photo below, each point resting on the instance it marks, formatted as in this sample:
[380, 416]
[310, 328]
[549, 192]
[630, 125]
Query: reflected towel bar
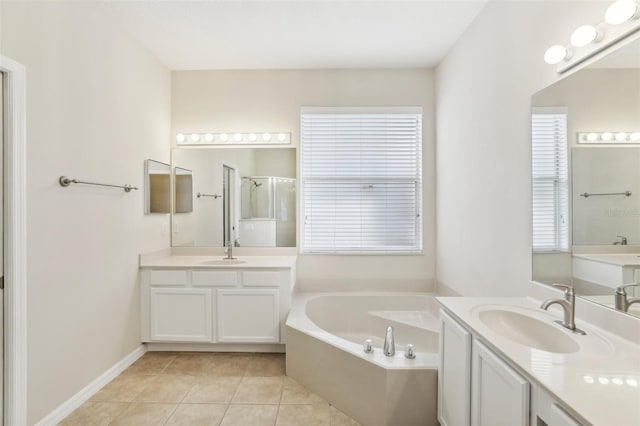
[65, 181]
[625, 193]
[215, 196]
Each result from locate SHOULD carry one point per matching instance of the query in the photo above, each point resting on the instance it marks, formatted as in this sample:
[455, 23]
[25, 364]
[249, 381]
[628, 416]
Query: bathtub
[325, 334]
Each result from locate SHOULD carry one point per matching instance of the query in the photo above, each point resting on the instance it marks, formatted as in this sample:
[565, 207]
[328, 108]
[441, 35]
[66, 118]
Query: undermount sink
[223, 262]
[528, 331]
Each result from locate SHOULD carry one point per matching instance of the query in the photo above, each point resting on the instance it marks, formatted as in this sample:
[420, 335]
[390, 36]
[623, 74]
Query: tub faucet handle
[368, 346]
[389, 342]
[409, 352]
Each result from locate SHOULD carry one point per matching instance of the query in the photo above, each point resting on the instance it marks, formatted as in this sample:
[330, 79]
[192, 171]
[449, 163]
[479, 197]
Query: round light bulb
[620, 11]
[237, 137]
[224, 137]
[195, 137]
[584, 35]
[592, 137]
[209, 137]
[606, 136]
[180, 137]
[603, 380]
[555, 54]
[588, 379]
[617, 381]
[635, 136]
[621, 137]
[281, 137]
[253, 137]
[266, 137]
[632, 382]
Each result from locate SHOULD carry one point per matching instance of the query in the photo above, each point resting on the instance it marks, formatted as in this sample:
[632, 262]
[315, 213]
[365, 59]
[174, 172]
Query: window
[550, 179]
[361, 176]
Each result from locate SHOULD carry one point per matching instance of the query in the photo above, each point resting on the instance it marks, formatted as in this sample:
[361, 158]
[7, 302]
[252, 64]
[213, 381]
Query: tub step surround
[325, 336]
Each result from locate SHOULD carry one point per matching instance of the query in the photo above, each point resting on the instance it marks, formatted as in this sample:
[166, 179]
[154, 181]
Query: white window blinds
[550, 180]
[361, 182]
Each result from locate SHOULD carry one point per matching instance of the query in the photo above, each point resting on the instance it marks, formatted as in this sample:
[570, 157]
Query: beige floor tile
[95, 413]
[304, 415]
[294, 393]
[229, 364]
[250, 415]
[259, 390]
[338, 418]
[213, 389]
[123, 388]
[267, 365]
[144, 414]
[151, 363]
[166, 388]
[197, 415]
[191, 364]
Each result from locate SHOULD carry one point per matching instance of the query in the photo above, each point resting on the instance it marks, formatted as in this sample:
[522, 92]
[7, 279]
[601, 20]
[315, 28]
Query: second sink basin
[223, 262]
[528, 331]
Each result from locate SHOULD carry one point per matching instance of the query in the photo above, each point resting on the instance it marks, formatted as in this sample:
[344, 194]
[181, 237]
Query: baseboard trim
[57, 415]
[216, 347]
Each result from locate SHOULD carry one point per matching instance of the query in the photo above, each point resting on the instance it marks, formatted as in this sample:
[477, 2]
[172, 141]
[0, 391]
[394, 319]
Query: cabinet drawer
[168, 277]
[261, 278]
[214, 278]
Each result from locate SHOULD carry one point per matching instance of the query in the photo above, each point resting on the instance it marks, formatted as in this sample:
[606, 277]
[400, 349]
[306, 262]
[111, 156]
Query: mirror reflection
[586, 181]
[182, 190]
[157, 187]
[243, 196]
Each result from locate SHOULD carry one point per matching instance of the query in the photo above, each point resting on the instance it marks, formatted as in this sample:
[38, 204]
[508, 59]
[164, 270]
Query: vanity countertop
[601, 383]
[618, 259]
[168, 260]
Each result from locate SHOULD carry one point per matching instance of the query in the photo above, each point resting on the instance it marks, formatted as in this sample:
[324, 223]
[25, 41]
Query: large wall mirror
[242, 196]
[586, 179]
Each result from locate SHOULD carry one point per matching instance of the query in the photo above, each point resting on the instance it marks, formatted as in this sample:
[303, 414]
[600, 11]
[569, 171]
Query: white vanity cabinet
[215, 305]
[477, 387]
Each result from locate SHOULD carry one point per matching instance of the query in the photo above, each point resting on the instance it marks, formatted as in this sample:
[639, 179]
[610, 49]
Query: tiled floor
[187, 388]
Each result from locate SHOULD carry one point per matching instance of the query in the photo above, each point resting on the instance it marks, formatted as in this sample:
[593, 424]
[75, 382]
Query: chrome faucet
[622, 242]
[389, 343]
[229, 251]
[568, 305]
[622, 303]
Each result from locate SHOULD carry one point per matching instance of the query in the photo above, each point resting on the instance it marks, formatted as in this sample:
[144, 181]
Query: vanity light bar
[620, 19]
[254, 138]
[609, 137]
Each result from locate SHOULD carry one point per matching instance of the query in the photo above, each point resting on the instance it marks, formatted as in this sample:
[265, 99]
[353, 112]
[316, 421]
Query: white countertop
[618, 259]
[583, 380]
[168, 260]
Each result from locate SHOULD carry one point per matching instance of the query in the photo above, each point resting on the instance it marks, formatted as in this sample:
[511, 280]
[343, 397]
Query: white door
[181, 315]
[499, 395]
[248, 316]
[1, 248]
[454, 373]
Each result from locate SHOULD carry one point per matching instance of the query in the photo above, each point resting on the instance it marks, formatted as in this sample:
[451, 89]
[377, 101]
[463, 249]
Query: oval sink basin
[223, 262]
[528, 331]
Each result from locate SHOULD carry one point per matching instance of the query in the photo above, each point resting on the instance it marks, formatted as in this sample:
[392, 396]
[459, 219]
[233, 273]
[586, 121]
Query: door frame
[15, 244]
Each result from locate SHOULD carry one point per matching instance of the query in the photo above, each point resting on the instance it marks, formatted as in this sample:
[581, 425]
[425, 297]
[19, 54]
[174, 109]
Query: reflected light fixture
[195, 137]
[592, 137]
[180, 137]
[635, 136]
[606, 136]
[253, 137]
[209, 137]
[224, 137]
[621, 11]
[237, 137]
[555, 54]
[584, 35]
[621, 137]
[266, 137]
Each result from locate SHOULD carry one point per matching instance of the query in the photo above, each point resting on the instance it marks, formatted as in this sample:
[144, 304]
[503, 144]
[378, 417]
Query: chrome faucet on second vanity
[622, 302]
[389, 343]
[568, 305]
[229, 252]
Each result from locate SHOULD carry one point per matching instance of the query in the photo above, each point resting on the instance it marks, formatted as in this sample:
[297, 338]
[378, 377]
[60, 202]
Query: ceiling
[198, 35]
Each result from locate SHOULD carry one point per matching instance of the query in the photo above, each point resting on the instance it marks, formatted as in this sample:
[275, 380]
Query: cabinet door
[247, 316]
[181, 314]
[454, 373]
[499, 395]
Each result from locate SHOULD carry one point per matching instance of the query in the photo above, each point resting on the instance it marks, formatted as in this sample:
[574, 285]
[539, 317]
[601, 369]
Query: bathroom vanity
[222, 304]
[505, 362]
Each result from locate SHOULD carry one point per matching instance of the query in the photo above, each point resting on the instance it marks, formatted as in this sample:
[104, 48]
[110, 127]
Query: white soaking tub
[325, 334]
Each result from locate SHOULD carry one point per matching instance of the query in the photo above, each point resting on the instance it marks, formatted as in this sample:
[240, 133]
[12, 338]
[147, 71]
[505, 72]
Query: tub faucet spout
[389, 343]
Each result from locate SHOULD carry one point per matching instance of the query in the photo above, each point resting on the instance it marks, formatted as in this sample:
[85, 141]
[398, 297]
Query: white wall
[97, 107]
[484, 89]
[245, 101]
